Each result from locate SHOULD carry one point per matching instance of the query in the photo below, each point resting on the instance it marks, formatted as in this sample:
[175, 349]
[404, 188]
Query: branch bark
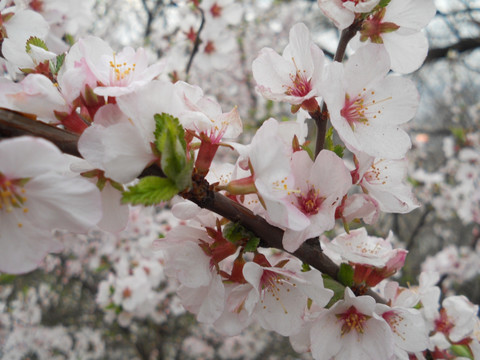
[461, 46]
[15, 124]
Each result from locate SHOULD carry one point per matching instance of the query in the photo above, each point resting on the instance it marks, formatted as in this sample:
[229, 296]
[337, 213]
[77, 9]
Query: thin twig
[197, 42]
[420, 224]
[321, 116]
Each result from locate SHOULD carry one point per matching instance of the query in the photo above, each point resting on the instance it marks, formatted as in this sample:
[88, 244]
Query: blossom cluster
[130, 119]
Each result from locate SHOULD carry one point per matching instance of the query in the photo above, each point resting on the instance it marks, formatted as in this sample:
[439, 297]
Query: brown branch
[461, 46]
[14, 124]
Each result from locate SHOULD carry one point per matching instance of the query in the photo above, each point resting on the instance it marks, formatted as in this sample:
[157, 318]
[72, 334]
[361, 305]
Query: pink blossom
[409, 330]
[35, 199]
[373, 257]
[293, 77]
[351, 329]
[384, 180]
[398, 28]
[342, 12]
[311, 203]
[282, 296]
[118, 73]
[366, 108]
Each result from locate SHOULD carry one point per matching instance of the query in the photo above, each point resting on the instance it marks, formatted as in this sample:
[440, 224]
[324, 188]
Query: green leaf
[150, 190]
[7, 278]
[59, 60]
[252, 244]
[170, 142]
[338, 289]
[461, 351]
[236, 233]
[69, 39]
[339, 150]
[329, 139]
[383, 3]
[329, 145]
[33, 40]
[345, 274]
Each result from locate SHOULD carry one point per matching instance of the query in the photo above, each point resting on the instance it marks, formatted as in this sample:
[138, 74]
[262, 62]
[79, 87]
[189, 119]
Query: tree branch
[202, 193]
[16, 124]
[461, 46]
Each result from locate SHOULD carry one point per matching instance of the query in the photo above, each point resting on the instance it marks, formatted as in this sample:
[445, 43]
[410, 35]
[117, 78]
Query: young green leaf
[236, 233]
[338, 289]
[345, 274]
[150, 190]
[383, 3]
[170, 142]
[35, 41]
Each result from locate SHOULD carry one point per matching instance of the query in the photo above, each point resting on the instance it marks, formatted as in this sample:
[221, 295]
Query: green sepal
[345, 274]
[7, 279]
[117, 308]
[150, 190]
[237, 234]
[306, 267]
[337, 288]
[170, 142]
[69, 39]
[35, 41]
[461, 351]
[101, 183]
[309, 151]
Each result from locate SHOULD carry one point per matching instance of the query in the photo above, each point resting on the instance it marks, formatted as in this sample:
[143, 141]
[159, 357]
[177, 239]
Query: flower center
[361, 108]
[301, 85]
[210, 47]
[270, 283]
[12, 195]
[444, 323]
[352, 320]
[311, 202]
[375, 175]
[36, 5]
[216, 10]
[373, 27]
[121, 72]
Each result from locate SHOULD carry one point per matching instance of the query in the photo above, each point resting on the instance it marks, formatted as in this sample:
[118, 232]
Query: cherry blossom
[35, 199]
[397, 27]
[19, 26]
[117, 73]
[408, 328]
[384, 180]
[342, 12]
[295, 76]
[366, 108]
[373, 257]
[312, 201]
[281, 295]
[351, 329]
